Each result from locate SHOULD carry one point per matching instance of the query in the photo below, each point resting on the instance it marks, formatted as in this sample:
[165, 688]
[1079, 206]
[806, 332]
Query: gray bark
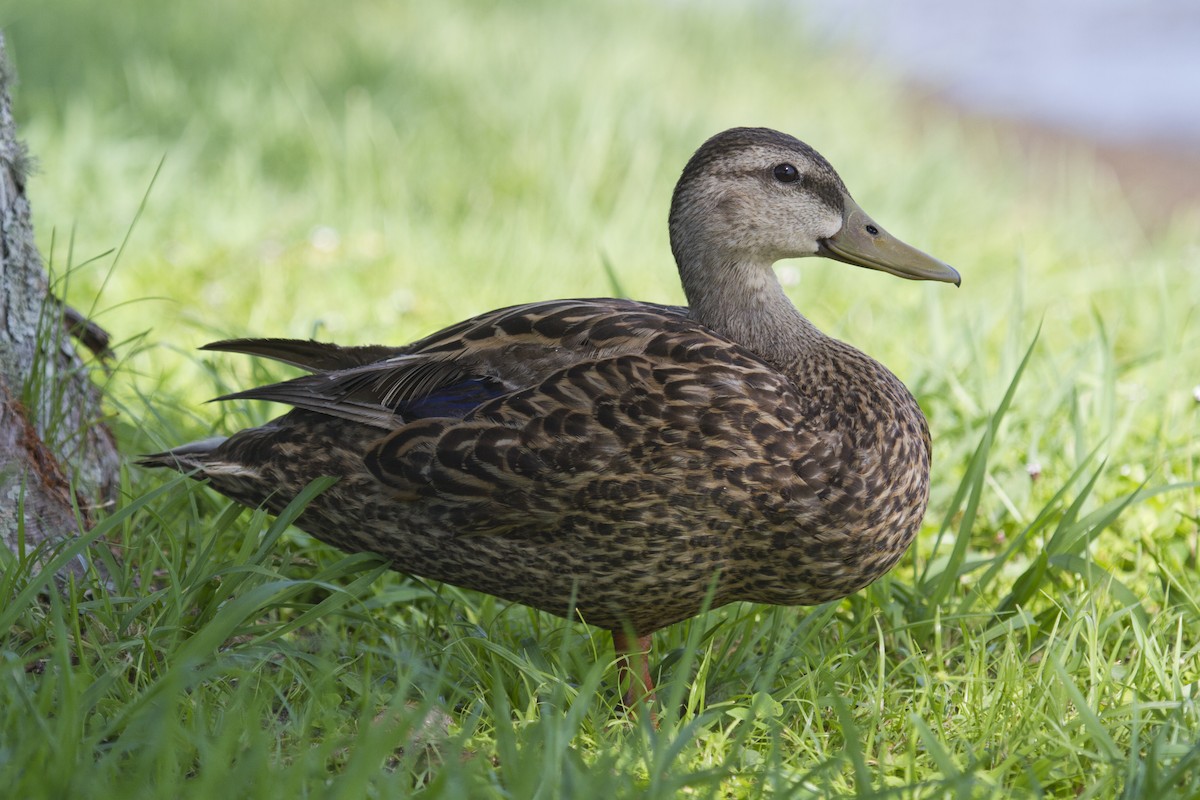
[58, 461]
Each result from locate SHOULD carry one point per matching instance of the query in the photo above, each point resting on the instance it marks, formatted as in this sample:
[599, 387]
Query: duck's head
[753, 196]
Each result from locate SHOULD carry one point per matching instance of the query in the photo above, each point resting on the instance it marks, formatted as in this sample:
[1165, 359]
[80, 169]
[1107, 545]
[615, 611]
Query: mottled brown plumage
[613, 459]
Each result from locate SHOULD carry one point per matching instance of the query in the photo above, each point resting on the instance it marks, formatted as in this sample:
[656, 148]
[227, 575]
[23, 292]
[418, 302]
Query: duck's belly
[658, 565]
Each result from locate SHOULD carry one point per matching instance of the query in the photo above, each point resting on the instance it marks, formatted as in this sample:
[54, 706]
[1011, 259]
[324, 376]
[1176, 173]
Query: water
[1118, 72]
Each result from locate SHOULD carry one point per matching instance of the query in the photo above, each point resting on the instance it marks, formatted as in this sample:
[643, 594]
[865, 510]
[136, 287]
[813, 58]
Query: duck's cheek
[809, 225]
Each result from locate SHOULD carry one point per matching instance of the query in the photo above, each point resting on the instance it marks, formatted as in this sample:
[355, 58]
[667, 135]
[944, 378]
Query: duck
[628, 464]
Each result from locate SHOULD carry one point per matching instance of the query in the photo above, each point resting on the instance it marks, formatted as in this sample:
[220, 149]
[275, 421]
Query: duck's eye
[871, 229]
[786, 173]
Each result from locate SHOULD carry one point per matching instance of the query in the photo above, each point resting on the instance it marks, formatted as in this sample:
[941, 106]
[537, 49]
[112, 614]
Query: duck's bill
[863, 242]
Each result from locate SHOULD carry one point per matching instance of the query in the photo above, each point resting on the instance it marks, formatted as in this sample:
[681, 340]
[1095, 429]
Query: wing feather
[305, 353]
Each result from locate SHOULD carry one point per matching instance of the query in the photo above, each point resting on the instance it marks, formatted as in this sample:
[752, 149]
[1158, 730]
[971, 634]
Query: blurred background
[293, 114]
[1123, 77]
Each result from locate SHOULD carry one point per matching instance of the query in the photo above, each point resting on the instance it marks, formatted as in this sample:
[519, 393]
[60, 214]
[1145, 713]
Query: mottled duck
[617, 461]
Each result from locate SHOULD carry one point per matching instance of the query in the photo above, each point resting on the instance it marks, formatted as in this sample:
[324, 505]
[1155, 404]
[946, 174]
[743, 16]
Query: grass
[373, 173]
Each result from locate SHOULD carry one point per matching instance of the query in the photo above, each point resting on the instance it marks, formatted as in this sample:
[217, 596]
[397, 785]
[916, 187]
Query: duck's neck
[743, 301]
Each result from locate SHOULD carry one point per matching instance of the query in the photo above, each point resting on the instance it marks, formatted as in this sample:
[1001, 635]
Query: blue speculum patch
[454, 400]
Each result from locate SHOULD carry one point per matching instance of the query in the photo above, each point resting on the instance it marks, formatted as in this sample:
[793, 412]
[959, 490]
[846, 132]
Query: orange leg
[633, 669]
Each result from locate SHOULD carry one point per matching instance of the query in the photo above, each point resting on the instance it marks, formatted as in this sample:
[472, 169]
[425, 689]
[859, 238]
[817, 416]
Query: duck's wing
[459, 368]
[632, 441]
[621, 413]
[533, 417]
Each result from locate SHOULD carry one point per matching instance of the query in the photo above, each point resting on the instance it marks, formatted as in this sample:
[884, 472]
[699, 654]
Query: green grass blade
[971, 487]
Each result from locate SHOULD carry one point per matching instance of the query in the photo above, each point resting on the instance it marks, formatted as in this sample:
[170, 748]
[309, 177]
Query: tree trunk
[58, 461]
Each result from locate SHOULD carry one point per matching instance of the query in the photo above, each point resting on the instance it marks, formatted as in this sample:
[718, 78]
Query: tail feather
[186, 457]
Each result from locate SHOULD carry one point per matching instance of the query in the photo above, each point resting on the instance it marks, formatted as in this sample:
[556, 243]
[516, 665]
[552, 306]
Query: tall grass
[374, 172]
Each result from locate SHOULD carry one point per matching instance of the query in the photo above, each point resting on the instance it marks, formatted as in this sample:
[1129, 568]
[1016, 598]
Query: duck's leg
[633, 668]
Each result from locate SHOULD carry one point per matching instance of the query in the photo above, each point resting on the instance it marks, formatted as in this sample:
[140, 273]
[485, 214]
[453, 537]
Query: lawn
[371, 172]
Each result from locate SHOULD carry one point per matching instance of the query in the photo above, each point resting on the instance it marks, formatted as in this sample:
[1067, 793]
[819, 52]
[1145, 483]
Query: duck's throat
[745, 302]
